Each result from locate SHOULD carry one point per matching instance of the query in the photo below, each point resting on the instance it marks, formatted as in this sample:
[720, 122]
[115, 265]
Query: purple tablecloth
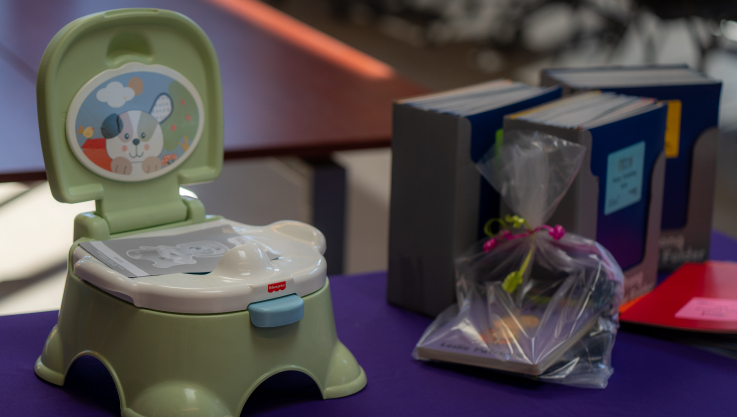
[652, 377]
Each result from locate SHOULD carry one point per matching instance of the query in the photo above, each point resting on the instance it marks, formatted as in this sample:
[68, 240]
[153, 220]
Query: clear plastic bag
[532, 299]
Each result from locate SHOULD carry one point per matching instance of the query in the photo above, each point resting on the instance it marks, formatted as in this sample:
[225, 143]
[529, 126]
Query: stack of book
[616, 199]
[690, 146]
[439, 202]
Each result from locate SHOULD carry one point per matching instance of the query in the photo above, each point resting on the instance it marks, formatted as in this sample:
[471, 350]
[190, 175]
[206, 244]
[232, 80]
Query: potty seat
[267, 262]
[130, 109]
[164, 256]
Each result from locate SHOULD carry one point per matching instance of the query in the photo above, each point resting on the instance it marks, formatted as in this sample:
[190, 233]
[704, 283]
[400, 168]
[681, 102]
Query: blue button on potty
[277, 312]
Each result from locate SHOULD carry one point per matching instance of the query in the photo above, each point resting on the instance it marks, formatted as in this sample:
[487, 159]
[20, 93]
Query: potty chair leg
[179, 364]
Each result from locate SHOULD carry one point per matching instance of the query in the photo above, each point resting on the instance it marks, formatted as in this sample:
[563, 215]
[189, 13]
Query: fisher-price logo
[278, 286]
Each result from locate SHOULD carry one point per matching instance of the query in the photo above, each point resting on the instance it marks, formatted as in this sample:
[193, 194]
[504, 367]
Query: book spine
[434, 207]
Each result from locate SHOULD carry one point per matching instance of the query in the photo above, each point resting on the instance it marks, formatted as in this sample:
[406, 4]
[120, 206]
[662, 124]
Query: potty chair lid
[130, 108]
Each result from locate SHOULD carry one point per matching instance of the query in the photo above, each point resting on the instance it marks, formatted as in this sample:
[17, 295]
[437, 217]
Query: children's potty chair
[130, 108]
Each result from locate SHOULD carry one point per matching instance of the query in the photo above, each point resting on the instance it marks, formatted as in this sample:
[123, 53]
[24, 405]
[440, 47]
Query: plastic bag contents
[532, 299]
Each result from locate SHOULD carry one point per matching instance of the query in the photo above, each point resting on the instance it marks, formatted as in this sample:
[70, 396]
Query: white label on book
[624, 177]
[714, 309]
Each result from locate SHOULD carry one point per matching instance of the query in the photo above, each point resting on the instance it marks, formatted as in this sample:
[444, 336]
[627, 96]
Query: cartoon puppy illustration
[135, 139]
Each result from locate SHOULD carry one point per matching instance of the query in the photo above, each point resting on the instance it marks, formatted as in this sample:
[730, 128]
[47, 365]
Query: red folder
[696, 297]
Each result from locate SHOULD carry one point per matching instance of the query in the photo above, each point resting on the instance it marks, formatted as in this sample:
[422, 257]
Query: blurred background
[439, 44]
[445, 44]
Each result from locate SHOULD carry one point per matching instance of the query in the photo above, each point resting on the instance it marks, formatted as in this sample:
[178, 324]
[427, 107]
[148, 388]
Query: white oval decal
[135, 122]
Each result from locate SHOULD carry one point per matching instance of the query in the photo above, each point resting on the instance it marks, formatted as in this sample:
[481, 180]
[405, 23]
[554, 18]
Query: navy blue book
[686, 218]
[484, 126]
[439, 202]
[617, 196]
[622, 219]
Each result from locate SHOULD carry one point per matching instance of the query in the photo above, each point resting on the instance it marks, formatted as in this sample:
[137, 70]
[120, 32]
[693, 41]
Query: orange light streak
[307, 37]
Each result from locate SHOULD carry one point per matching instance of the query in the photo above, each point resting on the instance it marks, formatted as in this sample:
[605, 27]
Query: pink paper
[715, 309]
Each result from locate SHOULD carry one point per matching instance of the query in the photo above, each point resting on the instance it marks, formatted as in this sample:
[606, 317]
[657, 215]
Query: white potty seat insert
[194, 252]
[256, 263]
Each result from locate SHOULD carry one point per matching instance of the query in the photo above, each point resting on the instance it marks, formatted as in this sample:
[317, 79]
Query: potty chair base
[194, 365]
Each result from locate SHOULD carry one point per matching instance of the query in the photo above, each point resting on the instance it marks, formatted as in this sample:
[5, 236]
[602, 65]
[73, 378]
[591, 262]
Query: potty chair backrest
[130, 108]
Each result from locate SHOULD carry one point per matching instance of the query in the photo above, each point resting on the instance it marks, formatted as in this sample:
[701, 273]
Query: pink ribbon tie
[490, 244]
[556, 233]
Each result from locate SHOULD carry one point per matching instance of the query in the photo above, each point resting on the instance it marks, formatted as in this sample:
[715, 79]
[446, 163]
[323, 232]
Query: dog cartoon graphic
[134, 139]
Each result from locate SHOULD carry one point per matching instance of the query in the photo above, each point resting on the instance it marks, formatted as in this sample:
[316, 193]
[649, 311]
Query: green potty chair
[130, 109]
